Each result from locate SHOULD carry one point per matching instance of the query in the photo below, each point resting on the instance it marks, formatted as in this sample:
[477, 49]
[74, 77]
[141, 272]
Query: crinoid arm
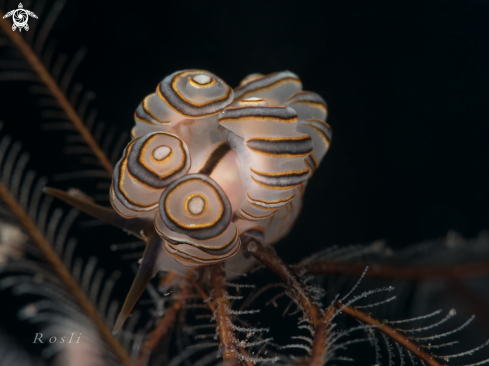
[36, 267]
[104, 214]
[211, 178]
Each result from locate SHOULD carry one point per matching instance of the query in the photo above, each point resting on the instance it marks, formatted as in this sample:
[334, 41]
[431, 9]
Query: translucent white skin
[251, 128]
[243, 173]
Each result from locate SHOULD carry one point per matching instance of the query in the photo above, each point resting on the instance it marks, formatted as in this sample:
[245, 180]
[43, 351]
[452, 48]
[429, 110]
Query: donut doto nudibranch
[210, 167]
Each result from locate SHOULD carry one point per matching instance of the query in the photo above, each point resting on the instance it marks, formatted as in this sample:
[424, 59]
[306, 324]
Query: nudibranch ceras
[210, 167]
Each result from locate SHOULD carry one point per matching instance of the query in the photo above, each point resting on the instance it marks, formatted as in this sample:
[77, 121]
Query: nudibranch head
[209, 167]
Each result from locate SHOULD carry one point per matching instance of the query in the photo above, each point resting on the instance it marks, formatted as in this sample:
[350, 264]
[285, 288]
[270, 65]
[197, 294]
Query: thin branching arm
[298, 291]
[321, 321]
[54, 88]
[226, 334]
[62, 272]
[390, 332]
[164, 326]
[210, 304]
[470, 270]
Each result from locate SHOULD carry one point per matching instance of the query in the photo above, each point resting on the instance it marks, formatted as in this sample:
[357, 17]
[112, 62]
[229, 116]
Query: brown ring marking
[265, 87]
[188, 200]
[255, 101]
[253, 115]
[147, 110]
[310, 103]
[209, 260]
[264, 208]
[254, 77]
[310, 97]
[271, 139]
[141, 119]
[306, 92]
[320, 121]
[283, 200]
[278, 139]
[280, 174]
[313, 158]
[180, 112]
[218, 257]
[314, 165]
[165, 159]
[121, 177]
[299, 93]
[176, 91]
[200, 246]
[279, 188]
[185, 100]
[257, 228]
[311, 169]
[116, 209]
[321, 134]
[258, 217]
[196, 84]
[150, 170]
[259, 118]
[184, 242]
[192, 226]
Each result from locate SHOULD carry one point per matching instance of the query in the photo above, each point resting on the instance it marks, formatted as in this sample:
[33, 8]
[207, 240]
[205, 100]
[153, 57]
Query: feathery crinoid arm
[63, 295]
[425, 340]
[448, 258]
[33, 52]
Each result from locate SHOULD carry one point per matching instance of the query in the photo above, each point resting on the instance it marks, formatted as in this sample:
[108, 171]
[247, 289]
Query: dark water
[407, 87]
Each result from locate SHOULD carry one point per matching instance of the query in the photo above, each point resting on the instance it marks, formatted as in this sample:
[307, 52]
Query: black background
[406, 82]
[407, 85]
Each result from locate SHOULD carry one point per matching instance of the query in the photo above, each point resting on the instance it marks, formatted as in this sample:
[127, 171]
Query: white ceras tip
[202, 79]
[196, 205]
[161, 152]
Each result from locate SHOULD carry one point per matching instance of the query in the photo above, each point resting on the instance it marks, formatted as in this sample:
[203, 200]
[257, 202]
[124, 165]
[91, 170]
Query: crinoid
[209, 181]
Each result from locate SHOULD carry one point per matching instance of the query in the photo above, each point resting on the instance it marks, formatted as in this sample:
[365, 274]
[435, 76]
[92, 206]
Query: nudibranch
[210, 167]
